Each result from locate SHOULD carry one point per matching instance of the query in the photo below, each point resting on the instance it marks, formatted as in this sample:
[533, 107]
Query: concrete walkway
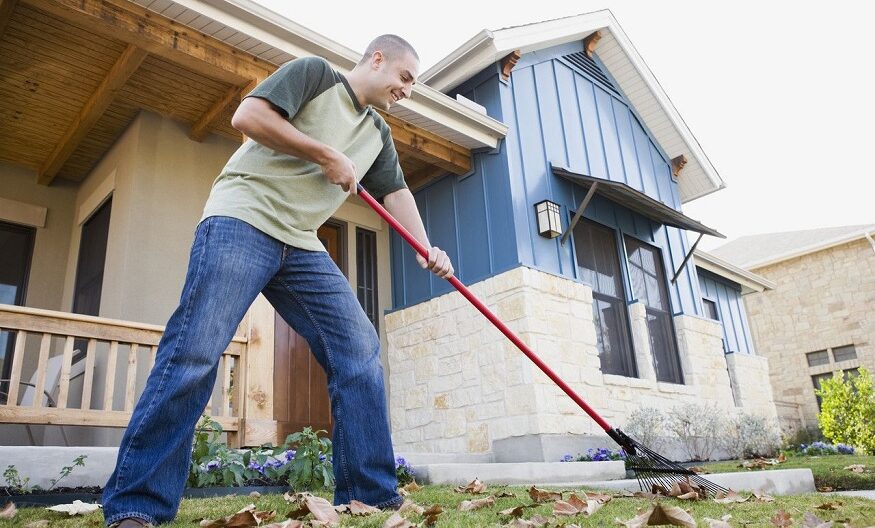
[866, 494]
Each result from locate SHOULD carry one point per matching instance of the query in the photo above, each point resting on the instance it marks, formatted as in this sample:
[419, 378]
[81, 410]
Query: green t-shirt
[288, 197]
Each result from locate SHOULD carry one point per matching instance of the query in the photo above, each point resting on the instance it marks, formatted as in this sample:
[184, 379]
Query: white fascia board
[668, 107]
[811, 248]
[749, 282]
[260, 23]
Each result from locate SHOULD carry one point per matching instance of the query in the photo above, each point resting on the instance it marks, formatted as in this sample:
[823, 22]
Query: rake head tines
[657, 474]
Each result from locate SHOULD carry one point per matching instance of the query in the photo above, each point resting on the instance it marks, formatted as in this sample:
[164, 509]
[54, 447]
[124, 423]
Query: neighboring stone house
[820, 317]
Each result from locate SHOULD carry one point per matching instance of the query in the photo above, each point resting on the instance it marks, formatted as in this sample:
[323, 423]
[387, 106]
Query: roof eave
[812, 248]
[749, 282]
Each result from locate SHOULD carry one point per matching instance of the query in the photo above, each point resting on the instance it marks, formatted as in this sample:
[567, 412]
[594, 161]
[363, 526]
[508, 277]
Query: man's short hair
[392, 47]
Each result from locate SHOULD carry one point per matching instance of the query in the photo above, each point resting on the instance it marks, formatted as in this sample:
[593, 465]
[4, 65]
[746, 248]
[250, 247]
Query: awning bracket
[687, 258]
[579, 212]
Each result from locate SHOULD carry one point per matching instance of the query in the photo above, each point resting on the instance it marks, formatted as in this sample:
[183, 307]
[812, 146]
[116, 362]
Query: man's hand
[438, 262]
[340, 170]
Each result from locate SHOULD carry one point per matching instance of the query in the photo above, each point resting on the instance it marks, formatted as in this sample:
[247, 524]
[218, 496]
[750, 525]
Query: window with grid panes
[821, 357]
[844, 353]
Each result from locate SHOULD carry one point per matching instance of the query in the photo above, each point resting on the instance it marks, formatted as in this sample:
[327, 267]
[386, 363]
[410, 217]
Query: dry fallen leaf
[474, 487]
[476, 504]
[396, 521]
[730, 497]
[360, 508]
[856, 468]
[245, 518]
[37, 524]
[576, 505]
[322, 510]
[809, 520]
[782, 519]
[763, 496]
[722, 522]
[825, 489]
[539, 495]
[642, 495]
[8, 511]
[432, 513]
[659, 515]
[412, 487]
[255, 495]
[77, 507]
[504, 494]
[411, 506]
[516, 511]
[700, 470]
[829, 505]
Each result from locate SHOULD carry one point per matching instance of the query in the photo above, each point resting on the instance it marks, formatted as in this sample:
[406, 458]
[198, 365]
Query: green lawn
[856, 512]
[828, 470]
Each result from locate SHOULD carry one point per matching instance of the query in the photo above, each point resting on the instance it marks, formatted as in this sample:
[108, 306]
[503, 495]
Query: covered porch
[123, 108]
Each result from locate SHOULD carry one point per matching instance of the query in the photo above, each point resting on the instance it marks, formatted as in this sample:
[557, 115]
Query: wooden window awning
[636, 201]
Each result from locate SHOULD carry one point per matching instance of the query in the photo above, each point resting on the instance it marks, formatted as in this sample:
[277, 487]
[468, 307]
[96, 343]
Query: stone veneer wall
[821, 300]
[457, 385]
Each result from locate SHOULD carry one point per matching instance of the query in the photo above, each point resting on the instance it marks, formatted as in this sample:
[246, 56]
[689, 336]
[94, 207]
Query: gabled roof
[756, 251]
[616, 51]
[274, 38]
[749, 282]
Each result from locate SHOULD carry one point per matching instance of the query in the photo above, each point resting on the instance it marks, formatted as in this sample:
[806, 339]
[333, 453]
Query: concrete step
[520, 472]
[773, 482]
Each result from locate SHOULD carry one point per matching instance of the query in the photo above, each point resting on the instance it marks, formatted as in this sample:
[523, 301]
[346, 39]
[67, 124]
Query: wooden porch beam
[159, 35]
[96, 105]
[429, 147]
[421, 177]
[6, 9]
[203, 126]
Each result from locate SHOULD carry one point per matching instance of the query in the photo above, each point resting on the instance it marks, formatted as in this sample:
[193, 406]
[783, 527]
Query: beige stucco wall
[459, 385]
[821, 300]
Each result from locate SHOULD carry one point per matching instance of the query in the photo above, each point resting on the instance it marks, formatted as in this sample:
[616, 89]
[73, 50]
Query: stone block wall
[821, 300]
[457, 385]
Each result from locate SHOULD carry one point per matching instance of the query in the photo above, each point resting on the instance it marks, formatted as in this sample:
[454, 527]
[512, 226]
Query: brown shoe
[132, 522]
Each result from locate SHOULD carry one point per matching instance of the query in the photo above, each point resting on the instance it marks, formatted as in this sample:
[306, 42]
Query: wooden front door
[300, 385]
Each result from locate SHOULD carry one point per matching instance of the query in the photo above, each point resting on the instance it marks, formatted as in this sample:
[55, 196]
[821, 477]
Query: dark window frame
[76, 306]
[367, 257]
[627, 358]
[817, 353]
[852, 356]
[20, 296]
[716, 306]
[676, 374]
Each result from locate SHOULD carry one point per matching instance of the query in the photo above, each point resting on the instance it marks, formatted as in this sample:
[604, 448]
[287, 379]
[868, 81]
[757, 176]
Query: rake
[653, 471]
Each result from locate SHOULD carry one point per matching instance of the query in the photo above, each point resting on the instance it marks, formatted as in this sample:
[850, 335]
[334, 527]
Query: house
[818, 319]
[121, 120]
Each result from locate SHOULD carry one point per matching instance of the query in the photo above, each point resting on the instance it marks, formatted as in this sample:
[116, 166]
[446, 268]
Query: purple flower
[214, 464]
[567, 458]
[290, 454]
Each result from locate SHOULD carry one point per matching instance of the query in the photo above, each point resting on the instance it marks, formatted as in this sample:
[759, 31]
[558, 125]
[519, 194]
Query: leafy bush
[404, 471]
[647, 425]
[697, 427]
[21, 485]
[801, 436]
[847, 410]
[821, 448]
[600, 454]
[749, 435]
[303, 462]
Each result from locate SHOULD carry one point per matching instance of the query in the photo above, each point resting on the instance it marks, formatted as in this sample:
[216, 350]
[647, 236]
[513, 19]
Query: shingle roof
[756, 250]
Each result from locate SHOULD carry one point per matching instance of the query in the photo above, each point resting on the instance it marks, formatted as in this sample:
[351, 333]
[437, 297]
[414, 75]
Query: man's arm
[257, 119]
[403, 207]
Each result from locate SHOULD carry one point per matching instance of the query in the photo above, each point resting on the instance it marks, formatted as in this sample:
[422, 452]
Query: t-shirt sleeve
[295, 83]
[385, 175]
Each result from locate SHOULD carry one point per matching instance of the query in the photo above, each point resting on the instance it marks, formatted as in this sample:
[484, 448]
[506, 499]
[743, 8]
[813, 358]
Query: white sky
[778, 93]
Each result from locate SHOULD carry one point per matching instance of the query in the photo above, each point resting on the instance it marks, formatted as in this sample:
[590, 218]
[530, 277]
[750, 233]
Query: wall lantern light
[549, 223]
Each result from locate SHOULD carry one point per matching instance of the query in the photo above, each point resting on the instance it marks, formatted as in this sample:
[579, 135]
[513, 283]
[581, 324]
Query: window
[599, 265]
[844, 353]
[818, 378]
[92, 257]
[711, 309]
[821, 357]
[366, 273]
[649, 286]
[16, 250]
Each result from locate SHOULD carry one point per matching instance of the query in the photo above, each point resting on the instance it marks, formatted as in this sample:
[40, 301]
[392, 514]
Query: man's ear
[377, 59]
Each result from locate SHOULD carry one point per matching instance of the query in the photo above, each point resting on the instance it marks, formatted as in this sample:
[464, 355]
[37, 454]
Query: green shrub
[847, 410]
[303, 462]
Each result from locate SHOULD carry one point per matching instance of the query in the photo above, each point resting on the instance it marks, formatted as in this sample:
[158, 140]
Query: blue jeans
[231, 263]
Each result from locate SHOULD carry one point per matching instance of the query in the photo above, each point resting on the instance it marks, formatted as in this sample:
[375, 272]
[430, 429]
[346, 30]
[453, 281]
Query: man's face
[393, 79]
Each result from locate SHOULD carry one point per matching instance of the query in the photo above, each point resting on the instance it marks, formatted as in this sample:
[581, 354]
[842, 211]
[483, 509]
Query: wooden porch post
[259, 426]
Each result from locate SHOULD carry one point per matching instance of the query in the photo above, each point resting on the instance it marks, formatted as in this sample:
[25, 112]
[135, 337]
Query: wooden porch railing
[122, 351]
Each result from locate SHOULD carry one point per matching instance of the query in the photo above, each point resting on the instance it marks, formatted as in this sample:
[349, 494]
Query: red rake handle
[485, 311]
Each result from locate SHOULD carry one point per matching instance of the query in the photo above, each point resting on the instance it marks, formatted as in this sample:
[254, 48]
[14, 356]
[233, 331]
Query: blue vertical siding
[730, 308]
[556, 115]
